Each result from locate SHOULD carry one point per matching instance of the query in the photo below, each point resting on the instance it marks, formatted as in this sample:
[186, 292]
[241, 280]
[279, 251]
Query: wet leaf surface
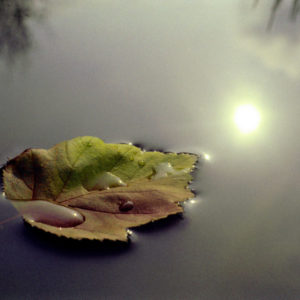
[85, 188]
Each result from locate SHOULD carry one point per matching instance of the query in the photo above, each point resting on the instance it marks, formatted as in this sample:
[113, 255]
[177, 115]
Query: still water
[199, 76]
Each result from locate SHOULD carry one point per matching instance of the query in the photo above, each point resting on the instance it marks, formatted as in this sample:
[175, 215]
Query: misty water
[205, 77]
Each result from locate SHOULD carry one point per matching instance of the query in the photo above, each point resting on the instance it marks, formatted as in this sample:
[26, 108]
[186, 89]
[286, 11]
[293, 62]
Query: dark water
[166, 74]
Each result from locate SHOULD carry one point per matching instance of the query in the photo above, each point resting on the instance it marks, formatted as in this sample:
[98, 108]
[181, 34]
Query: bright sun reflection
[247, 118]
[206, 156]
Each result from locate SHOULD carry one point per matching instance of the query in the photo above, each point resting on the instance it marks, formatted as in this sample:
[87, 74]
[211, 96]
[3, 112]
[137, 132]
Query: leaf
[85, 188]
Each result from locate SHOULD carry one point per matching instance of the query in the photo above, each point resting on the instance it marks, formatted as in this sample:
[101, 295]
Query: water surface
[169, 75]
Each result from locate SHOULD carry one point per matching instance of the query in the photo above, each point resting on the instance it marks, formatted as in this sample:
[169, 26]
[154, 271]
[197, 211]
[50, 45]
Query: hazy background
[168, 75]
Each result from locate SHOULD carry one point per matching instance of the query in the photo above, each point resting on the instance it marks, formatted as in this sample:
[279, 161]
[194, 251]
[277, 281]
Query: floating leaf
[85, 188]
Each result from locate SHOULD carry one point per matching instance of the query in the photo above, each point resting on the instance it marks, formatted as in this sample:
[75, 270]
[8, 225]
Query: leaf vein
[72, 167]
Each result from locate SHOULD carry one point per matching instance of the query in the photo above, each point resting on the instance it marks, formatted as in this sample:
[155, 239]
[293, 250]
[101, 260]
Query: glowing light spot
[247, 118]
[206, 156]
[193, 201]
[129, 232]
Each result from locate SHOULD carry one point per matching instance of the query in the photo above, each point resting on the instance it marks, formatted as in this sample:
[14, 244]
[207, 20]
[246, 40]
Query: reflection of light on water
[191, 203]
[206, 156]
[247, 118]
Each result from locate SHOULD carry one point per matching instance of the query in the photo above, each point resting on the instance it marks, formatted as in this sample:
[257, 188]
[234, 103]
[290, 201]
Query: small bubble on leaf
[126, 206]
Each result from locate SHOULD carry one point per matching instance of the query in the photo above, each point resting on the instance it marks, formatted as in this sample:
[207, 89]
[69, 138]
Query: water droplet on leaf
[49, 213]
[104, 181]
[126, 206]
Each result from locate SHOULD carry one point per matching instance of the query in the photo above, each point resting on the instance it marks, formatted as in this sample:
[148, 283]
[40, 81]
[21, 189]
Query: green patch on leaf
[85, 188]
